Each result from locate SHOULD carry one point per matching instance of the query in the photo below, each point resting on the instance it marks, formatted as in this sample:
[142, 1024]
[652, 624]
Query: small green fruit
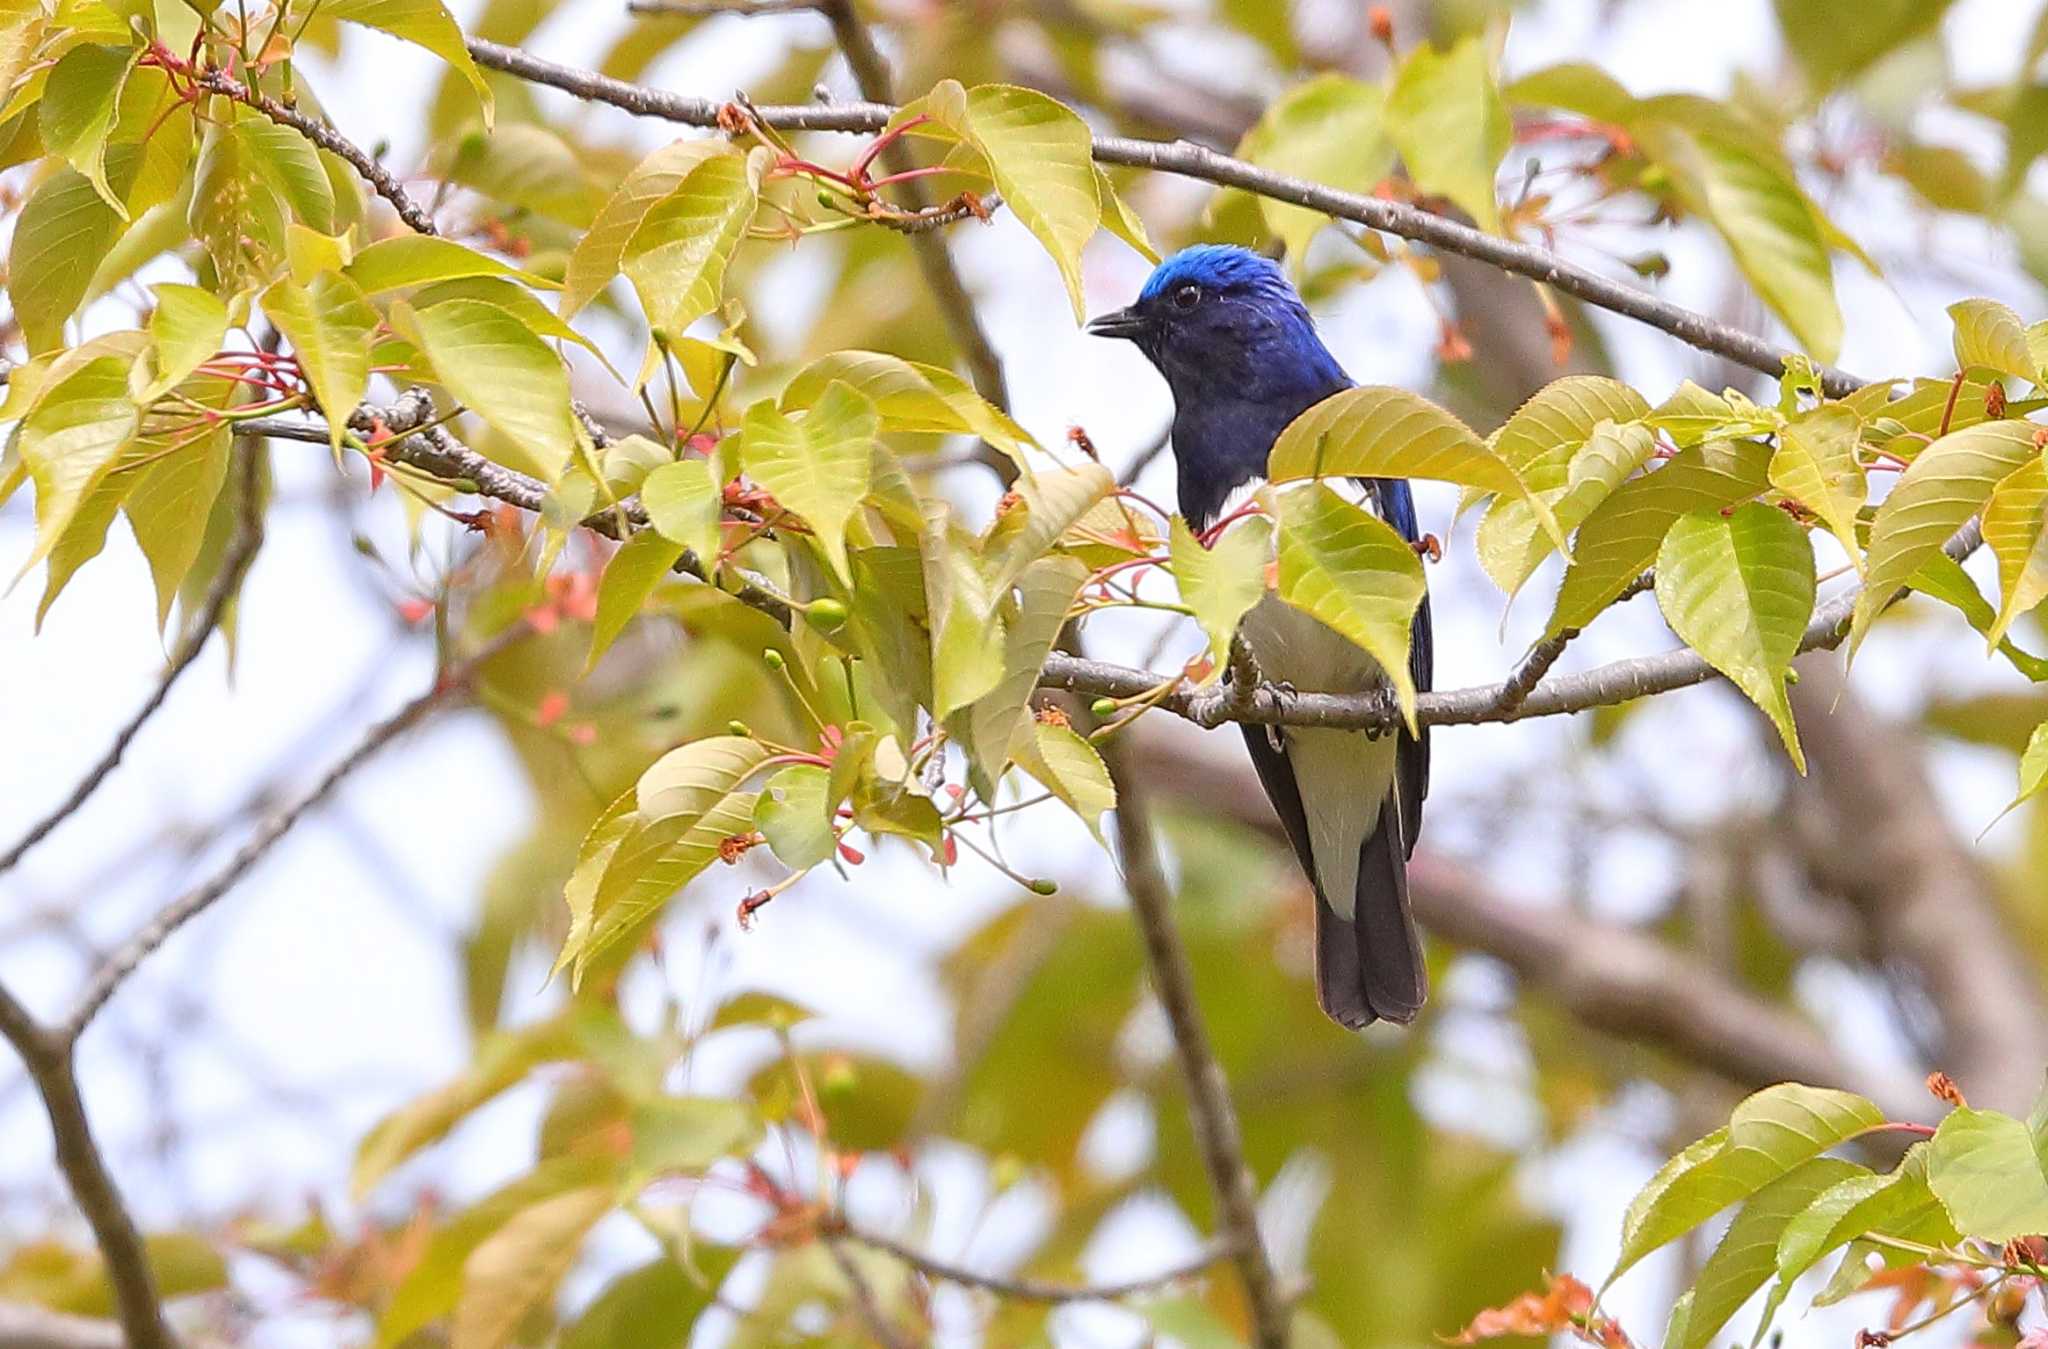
[827, 615]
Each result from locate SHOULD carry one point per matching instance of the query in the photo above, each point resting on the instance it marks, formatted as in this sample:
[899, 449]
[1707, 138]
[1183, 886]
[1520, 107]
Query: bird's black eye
[1187, 297]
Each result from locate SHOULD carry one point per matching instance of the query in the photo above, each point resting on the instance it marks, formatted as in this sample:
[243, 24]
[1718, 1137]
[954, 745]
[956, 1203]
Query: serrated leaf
[685, 504]
[1692, 415]
[1049, 502]
[792, 815]
[677, 258]
[519, 1266]
[632, 864]
[1747, 1252]
[78, 107]
[1330, 130]
[239, 210]
[1897, 1204]
[1065, 764]
[495, 366]
[69, 440]
[690, 779]
[1346, 567]
[818, 467]
[2013, 524]
[2033, 773]
[1445, 115]
[1988, 1170]
[1816, 465]
[961, 613]
[1943, 578]
[1989, 336]
[331, 327]
[1221, 583]
[408, 260]
[629, 578]
[186, 328]
[1119, 219]
[601, 251]
[1943, 487]
[424, 23]
[1034, 616]
[1769, 1134]
[1739, 589]
[1039, 154]
[908, 396]
[169, 506]
[64, 229]
[1380, 432]
[1511, 542]
[1619, 541]
[85, 534]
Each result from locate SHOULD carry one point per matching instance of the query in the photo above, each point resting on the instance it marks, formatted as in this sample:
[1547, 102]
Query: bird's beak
[1127, 323]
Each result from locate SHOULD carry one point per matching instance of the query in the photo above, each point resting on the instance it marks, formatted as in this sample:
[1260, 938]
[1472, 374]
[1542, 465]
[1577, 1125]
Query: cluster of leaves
[1955, 1222]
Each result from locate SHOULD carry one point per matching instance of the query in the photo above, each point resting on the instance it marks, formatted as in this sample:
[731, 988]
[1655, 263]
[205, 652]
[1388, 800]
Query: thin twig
[1189, 160]
[226, 585]
[1142, 460]
[328, 139]
[885, 1331]
[1036, 1290]
[123, 962]
[1518, 686]
[1217, 1135]
[706, 9]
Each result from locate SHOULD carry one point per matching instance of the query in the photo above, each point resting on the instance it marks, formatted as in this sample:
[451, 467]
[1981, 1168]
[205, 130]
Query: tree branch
[1034, 1290]
[107, 979]
[226, 585]
[1217, 1135]
[1188, 160]
[327, 138]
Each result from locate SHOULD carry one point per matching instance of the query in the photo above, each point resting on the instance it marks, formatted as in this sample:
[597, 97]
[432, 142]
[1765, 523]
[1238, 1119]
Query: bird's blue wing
[1397, 507]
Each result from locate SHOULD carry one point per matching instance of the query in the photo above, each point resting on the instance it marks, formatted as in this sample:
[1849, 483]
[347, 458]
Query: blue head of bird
[1240, 354]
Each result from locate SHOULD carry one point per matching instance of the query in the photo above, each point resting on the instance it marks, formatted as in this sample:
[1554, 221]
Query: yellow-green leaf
[78, 107]
[601, 251]
[678, 256]
[1989, 336]
[629, 578]
[1222, 582]
[187, 329]
[1330, 130]
[1816, 465]
[1065, 764]
[1511, 541]
[817, 467]
[1738, 588]
[1987, 1168]
[63, 230]
[518, 1266]
[1033, 619]
[424, 23]
[792, 815]
[2013, 523]
[1445, 115]
[684, 502]
[497, 368]
[70, 438]
[330, 326]
[408, 260]
[1349, 569]
[909, 397]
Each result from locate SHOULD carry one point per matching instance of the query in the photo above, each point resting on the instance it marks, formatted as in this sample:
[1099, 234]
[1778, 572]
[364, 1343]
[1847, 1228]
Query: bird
[1241, 356]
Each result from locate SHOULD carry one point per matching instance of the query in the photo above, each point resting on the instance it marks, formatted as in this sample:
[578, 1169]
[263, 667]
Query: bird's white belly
[1342, 775]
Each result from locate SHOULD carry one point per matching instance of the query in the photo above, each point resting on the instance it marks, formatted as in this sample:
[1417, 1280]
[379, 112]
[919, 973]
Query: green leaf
[187, 328]
[1943, 578]
[523, 166]
[2013, 524]
[1989, 336]
[601, 251]
[1738, 589]
[331, 327]
[1032, 622]
[1349, 569]
[1747, 1254]
[1446, 117]
[817, 467]
[86, 533]
[629, 578]
[1619, 541]
[908, 397]
[677, 258]
[495, 366]
[515, 300]
[1987, 1168]
[1896, 1204]
[961, 613]
[518, 1267]
[169, 505]
[78, 107]
[655, 1306]
[1329, 130]
[2033, 773]
[689, 780]
[1039, 153]
[239, 211]
[71, 438]
[408, 260]
[794, 816]
[1065, 764]
[64, 228]
[1943, 487]
[1049, 502]
[685, 504]
[689, 1133]
[429, 1290]
[1380, 432]
[1223, 582]
[1835, 39]
[1770, 1134]
[1692, 415]
[1119, 219]
[1511, 541]
[1816, 465]
[424, 23]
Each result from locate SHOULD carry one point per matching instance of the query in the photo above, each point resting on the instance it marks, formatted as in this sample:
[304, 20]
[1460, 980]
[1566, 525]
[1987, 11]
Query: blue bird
[1241, 356]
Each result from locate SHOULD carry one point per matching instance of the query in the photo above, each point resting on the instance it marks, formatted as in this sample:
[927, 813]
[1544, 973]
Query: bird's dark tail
[1369, 966]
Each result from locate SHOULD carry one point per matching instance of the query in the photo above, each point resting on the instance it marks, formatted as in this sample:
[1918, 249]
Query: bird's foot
[1385, 707]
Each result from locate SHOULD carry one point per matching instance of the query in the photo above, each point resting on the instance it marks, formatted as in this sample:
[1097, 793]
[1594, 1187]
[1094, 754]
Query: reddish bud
[551, 708]
[1381, 21]
[1053, 715]
[853, 856]
[949, 851]
[1452, 347]
[1942, 1087]
[543, 618]
[1994, 401]
[415, 611]
[583, 734]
